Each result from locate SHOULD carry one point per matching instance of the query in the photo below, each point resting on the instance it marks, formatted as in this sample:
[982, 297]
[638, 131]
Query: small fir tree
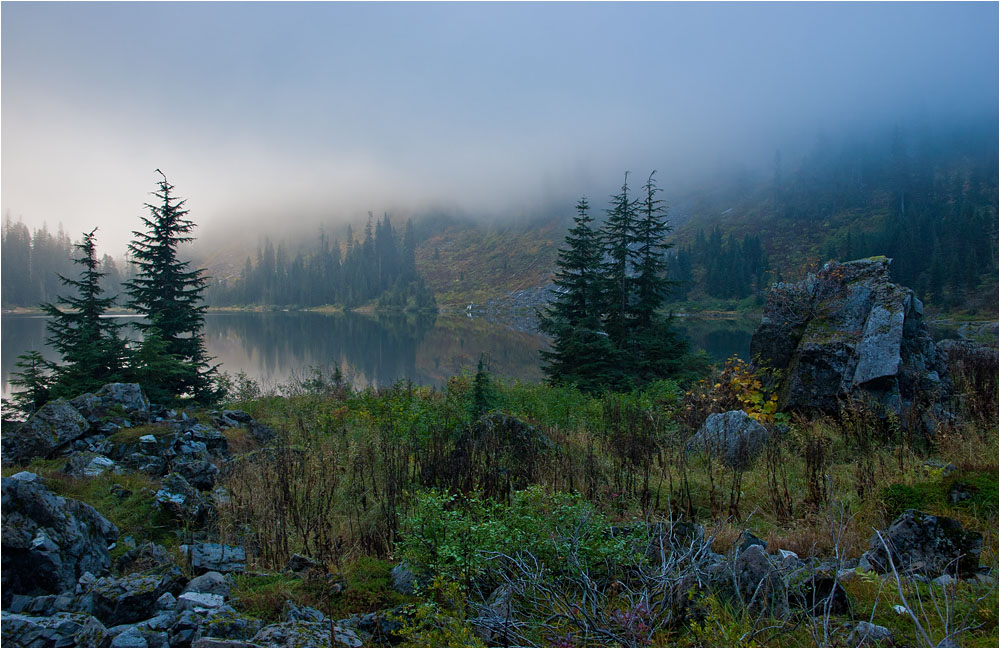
[91, 351]
[169, 294]
[34, 380]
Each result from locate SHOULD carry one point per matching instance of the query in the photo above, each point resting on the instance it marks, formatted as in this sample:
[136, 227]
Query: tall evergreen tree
[91, 350]
[618, 235]
[34, 378]
[651, 283]
[169, 294]
[581, 352]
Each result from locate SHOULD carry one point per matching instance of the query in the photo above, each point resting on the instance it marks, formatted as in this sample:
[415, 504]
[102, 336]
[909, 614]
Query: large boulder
[49, 541]
[116, 401]
[215, 557]
[848, 332]
[130, 599]
[59, 630]
[734, 436]
[56, 424]
[928, 545]
[180, 500]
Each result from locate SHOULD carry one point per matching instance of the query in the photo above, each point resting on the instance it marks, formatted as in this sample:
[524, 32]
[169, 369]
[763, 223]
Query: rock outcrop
[733, 436]
[55, 425]
[927, 545]
[848, 332]
[49, 541]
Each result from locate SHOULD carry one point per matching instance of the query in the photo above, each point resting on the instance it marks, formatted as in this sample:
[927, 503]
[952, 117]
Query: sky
[268, 115]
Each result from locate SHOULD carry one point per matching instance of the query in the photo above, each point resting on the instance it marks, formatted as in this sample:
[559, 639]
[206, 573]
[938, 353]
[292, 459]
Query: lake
[272, 347]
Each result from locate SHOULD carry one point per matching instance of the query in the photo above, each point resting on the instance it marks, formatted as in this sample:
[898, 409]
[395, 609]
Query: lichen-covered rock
[130, 637]
[85, 464]
[866, 634]
[132, 598]
[290, 612]
[849, 332]
[55, 425]
[734, 436]
[928, 545]
[208, 557]
[180, 500]
[226, 622]
[754, 582]
[49, 541]
[306, 634]
[199, 473]
[210, 582]
[59, 630]
[118, 400]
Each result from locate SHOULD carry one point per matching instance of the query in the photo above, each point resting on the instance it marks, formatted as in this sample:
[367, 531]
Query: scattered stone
[165, 602]
[866, 634]
[213, 643]
[56, 424]
[759, 584]
[130, 637]
[49, 541]
[226, 622]
[207, 557]
[960, 492]
[734, 436]
[199, 473]
[210, 582]
[123, 400]
[300, 562]
[199, 601]
[403, 579]
[180, 500]
[748, 538]
[292, 613]
[944, 580]
[928, 545]
[145, 557]
[59, 630]
[129, 599]
[87, 464]
[306, 634]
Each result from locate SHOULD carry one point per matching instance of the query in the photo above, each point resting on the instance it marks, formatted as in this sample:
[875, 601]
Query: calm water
[272, 347]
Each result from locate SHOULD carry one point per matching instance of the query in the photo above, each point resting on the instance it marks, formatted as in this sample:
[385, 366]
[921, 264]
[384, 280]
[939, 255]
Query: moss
[132, 435]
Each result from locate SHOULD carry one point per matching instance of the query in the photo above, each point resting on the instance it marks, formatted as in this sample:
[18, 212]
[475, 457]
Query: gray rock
[927, 545]
[866, 634]
[226, 622]
[403, 579]
[180, 500]
[207, 557]
[758, 583]
[200, 474]
[165, 602]
[124, 400]
[186, 629]
[49, 541]
[130, 637]
[59, 630]
[734, 436]
[153, 465]
[130, 599]
[199, 601]
[292, 613]
[55, 425]
[214, 441]
[213, 643]
[86, 464]
[306, 634]
[849, 332]
[748, 538]
[144, 557]
[210, 582]
[299, 562]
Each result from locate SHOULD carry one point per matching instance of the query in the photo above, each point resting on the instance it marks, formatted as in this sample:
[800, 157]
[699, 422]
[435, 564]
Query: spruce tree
[34, 380]
[169, 294]
[618, 236]
[651, 283]
[581, 352]
[92, 353]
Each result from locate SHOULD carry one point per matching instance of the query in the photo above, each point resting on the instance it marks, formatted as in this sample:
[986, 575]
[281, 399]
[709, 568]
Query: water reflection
[271, 347]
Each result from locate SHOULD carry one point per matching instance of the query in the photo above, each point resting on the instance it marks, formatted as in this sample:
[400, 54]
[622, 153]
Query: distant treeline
[31, 263]
[928, 201]
[380, 267]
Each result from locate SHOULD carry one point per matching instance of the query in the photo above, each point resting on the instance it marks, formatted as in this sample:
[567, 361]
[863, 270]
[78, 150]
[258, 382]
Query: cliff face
[848, 332]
